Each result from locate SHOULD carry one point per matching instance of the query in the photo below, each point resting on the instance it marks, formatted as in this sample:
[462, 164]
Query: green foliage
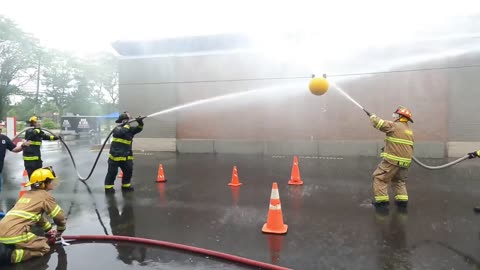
[18, 56]
[49, 124]
[86, 87]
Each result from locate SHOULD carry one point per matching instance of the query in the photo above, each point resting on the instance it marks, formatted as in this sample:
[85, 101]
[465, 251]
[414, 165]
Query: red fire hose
[197, 250]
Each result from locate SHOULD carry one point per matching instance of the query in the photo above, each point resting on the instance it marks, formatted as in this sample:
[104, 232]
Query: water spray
[318, 86]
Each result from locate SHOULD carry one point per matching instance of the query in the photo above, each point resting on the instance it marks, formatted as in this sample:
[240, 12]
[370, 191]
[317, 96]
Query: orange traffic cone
[275, 218]
[120, 175]
[23, 190]
[25, 173]
[235, 182]
[295, 178]
[160, 174]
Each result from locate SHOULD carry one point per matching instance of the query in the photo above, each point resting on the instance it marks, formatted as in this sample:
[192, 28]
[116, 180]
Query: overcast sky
[91, 25]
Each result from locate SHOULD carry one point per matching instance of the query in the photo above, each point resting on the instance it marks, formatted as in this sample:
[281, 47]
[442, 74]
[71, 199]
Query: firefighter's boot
[5, 254]
[127, 188]
[381, 208]
[476, 209]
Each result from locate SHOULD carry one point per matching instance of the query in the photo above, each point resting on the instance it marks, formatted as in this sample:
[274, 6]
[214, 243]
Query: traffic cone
[160, 174]
[275, 218]
[235, 182]
[23, 190]
[25, 173]
[120, 175]
[295, 179]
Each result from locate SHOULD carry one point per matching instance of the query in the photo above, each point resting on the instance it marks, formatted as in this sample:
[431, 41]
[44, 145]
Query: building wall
[274, 119]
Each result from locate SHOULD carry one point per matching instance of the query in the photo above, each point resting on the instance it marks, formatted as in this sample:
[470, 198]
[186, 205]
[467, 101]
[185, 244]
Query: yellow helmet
[33, 119]
[39, 176]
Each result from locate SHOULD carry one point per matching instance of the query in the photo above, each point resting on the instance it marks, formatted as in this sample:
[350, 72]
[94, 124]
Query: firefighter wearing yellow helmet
[397, 157]
[17, 242]
[32, 157]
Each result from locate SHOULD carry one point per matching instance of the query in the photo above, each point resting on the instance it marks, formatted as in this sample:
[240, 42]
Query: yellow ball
[318, 86]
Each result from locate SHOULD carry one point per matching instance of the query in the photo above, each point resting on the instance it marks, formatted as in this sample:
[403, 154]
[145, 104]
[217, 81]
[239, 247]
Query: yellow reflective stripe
[478, 153]
[109, 186]
[52, 137]
[403, 162]
[130, 157]
[19, 255]
[122, 141]
[400, 141]
[126, 185]
[401, 197]
[47, 226]
[31, 158]
[35, 143]
[409, 132]
[61, 228]
[17, 239]
[24, 214]
[127, 126]
[381, 198]
[396, 158]
[380, 124]
[55, 211]
[117, 158]
[37, 130]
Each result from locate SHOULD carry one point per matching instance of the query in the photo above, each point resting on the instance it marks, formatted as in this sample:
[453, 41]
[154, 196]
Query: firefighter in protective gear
[32, 157]
[17, 242]
[121, 154]
[470, 156]
[397, 157]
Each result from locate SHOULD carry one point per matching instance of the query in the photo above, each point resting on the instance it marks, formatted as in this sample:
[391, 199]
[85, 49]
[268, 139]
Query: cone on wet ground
[161, 174]
[120, 174]
[23, 190]
[275, 223]
[234, 182]
[295, 178]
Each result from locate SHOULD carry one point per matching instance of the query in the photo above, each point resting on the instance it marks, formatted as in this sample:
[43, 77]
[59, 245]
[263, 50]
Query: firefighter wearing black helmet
[397, 157]
[121, 155]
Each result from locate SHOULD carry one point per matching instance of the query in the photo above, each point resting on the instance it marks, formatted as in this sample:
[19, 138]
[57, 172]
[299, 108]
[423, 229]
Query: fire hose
[158, 243]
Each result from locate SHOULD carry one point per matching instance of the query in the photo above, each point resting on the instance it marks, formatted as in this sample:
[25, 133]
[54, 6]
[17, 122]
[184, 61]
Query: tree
[103, 74]
[18, 57]
[59, 74]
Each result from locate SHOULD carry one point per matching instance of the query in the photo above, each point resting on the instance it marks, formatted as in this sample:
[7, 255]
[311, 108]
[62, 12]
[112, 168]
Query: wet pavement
[331, 222]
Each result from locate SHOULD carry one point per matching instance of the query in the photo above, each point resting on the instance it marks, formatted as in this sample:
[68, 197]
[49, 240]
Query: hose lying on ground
[197, 250]
[440, 166]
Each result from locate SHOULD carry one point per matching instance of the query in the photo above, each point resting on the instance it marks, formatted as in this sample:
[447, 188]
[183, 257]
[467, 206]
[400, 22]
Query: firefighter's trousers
[32, 165]
[36, 247]
[383, 175]
[125, 166]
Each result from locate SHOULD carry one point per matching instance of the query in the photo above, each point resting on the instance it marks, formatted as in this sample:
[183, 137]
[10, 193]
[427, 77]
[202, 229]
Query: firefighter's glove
[140, 120]
[473, 155]
[372, 115]
[52, 236]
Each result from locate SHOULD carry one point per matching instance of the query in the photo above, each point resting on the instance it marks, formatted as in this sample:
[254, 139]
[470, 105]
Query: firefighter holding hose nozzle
[397, 157]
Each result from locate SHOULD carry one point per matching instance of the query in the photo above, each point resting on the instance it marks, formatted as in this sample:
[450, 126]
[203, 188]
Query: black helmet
[122, 117]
